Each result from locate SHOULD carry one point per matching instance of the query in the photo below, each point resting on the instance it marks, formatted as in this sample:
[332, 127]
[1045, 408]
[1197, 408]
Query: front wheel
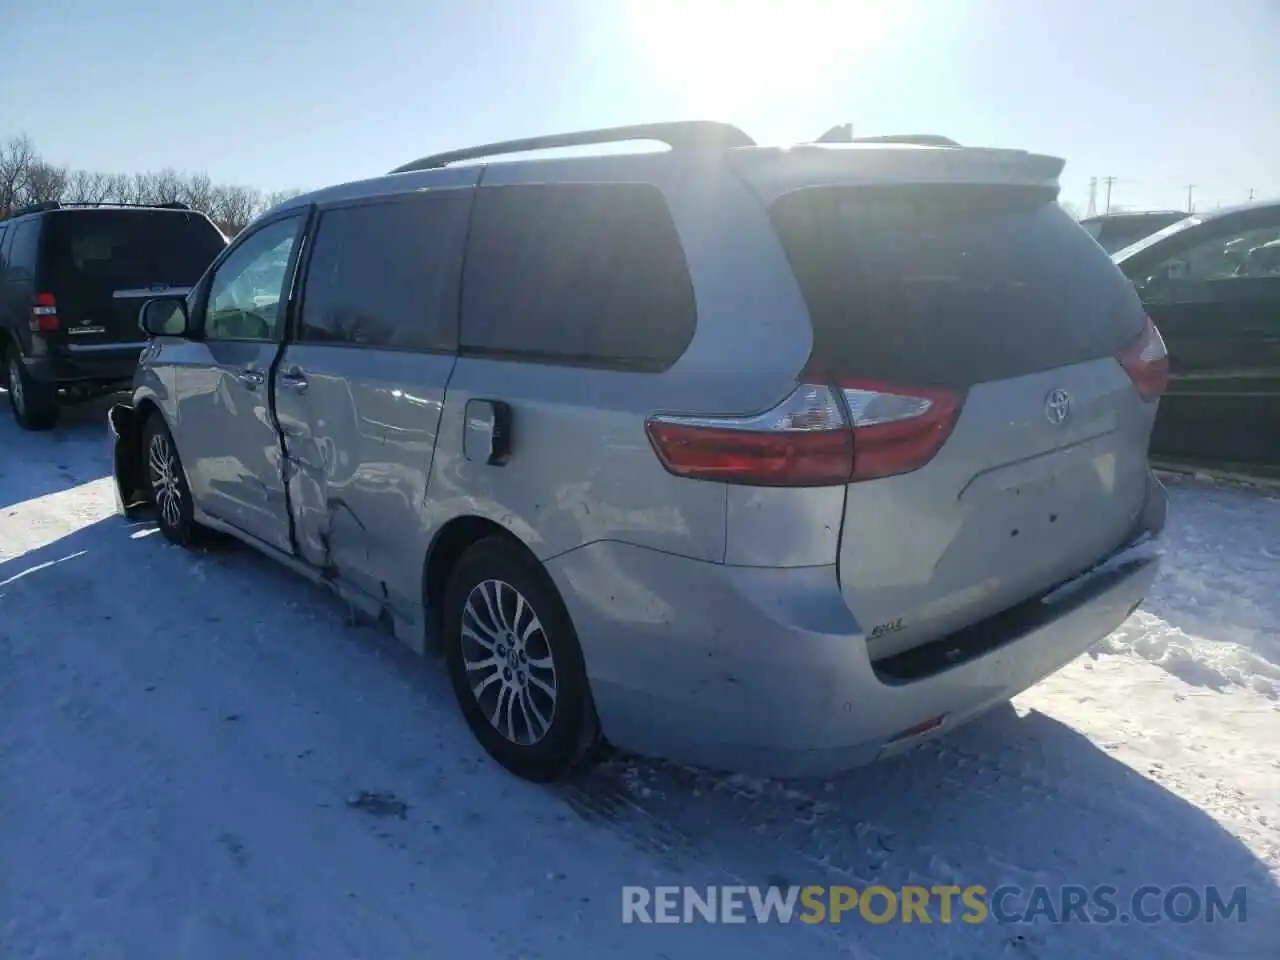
[34, 405]
[167, 483]
[515, 663]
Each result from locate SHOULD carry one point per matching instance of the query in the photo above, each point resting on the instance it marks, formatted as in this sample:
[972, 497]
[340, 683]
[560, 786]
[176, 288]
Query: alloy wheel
[164, 479]
[16, 396]
[508, 662]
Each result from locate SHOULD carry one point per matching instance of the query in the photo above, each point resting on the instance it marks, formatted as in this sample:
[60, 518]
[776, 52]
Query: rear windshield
[116, 249]
[950, 285]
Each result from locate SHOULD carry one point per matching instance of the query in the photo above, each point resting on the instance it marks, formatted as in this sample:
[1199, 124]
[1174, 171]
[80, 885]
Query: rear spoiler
[774, 172]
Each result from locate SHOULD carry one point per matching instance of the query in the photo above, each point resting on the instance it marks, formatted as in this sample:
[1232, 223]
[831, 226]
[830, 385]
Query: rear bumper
[126, 450]
[105, 363]
[766, 671]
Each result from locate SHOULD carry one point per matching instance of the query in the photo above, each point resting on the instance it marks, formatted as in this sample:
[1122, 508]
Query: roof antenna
[840, 133]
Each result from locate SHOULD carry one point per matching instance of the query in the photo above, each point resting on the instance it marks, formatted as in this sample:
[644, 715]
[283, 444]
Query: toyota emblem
[1057, 407]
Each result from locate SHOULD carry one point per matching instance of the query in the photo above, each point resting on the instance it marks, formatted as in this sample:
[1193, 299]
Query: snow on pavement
[202, 757]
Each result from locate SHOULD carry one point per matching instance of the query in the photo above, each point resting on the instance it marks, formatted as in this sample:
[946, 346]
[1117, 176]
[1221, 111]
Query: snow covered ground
[182, 738]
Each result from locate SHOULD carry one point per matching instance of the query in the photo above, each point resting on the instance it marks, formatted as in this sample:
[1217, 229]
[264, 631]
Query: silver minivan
[775, 460]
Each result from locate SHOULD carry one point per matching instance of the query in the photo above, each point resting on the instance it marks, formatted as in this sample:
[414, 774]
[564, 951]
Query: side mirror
[164, 317]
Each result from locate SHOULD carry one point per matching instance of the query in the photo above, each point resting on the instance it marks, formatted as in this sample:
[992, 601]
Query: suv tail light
[819, 435]
[44, 314]
[1147, 362]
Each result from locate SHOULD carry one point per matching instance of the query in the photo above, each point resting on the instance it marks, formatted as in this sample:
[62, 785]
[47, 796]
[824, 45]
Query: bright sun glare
[726, 55]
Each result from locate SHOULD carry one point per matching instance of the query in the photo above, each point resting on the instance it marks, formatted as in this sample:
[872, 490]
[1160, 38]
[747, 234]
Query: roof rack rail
[35, 208]
[65, 204]
[843, 133]
[919, 139]
[678, 135]
[168, 205]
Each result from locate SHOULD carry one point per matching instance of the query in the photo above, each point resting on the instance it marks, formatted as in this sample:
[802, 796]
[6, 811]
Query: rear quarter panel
[581, 468]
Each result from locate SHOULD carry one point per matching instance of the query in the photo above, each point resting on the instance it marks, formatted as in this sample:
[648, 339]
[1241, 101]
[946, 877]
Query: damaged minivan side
[770, 460]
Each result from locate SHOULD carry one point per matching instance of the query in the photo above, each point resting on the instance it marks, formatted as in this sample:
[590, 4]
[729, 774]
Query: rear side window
[386, 274]
[950, 285]
[23, 250]
[99, 250]
[580, 274]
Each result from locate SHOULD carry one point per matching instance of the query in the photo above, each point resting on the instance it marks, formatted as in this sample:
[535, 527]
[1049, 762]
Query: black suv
[72, 278]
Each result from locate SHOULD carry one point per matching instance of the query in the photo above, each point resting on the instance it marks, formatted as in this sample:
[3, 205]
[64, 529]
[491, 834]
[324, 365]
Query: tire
[166, 484]
[498, 592]
[34, 404]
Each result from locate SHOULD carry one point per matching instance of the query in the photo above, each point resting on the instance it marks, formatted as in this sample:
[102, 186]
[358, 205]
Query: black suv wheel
[34, 404]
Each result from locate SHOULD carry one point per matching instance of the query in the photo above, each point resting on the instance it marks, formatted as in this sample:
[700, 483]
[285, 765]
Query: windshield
[1123, 254]
[132, 248]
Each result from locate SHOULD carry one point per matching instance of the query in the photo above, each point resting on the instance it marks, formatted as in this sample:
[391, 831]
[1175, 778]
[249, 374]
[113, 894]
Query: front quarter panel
[153, 380]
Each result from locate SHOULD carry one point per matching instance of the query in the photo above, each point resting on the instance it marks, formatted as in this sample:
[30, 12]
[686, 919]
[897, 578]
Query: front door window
[246, 292]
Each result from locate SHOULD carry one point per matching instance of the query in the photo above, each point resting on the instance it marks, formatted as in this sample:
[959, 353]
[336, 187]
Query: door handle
[251, 378]
[293, 379]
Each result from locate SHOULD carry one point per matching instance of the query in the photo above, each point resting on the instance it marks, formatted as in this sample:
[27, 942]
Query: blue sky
[303, 93]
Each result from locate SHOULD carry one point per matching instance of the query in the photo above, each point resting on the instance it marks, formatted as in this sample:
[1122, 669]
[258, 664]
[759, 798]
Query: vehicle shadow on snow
[1007, 800]
[35, 464]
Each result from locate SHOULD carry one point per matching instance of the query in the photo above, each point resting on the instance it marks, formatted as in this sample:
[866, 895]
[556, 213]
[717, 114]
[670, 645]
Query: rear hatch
[102, 264]
[973, 329]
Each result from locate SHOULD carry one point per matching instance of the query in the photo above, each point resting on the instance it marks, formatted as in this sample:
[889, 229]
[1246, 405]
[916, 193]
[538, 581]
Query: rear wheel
[34, 404]
[515, 663]
[166, 483]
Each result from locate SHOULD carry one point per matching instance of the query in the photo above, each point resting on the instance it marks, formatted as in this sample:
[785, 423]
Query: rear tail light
[1147, 362]
[802, 442]
[819, 435]
[44, 313]
[897, 430]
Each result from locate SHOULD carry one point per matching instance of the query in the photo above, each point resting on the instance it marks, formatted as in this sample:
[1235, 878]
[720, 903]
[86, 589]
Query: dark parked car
[1115, 231]
[71, 280]
[1211, 283]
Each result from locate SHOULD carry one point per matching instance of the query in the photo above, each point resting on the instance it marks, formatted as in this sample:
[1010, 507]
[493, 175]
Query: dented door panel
[359, 438]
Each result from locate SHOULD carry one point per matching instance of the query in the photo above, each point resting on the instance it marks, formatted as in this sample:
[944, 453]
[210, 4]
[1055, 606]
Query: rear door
[1214, 292]
[999, 447]
[18, 281]
[362, 383]
[226, 431]
[102, 264]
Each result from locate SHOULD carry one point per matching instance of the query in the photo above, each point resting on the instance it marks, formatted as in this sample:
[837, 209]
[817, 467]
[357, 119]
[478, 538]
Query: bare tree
[85, 186]
[26, 178]
[197, 192]
[277, 197]
[43, 182]
[166, 187]
[16, 157]
[234, 208]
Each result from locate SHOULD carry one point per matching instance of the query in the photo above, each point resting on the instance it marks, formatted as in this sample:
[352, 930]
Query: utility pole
[1108, 181]
[1093, 197]
[1251, 194]
[1190, 206]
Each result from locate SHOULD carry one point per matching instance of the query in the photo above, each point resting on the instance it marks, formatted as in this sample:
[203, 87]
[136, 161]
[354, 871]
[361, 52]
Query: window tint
[950, 285]
[23, 249]
[386, 274]
[248, 288]
[589, 274]
[113, 249]
[1223, 267]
